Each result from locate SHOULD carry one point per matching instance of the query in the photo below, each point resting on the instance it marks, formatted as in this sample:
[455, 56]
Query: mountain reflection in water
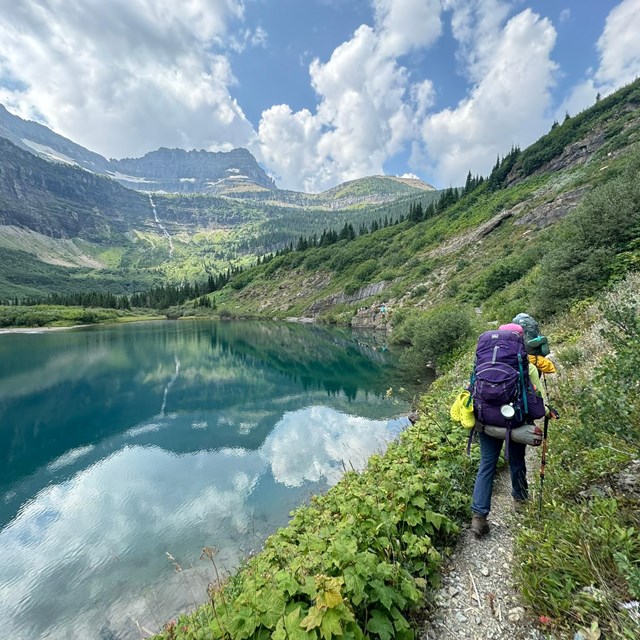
[127, 443]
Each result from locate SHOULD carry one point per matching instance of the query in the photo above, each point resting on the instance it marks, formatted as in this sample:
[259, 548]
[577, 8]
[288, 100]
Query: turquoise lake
[127, 449]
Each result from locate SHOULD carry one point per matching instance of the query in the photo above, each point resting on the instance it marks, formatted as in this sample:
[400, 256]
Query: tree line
[161, 297]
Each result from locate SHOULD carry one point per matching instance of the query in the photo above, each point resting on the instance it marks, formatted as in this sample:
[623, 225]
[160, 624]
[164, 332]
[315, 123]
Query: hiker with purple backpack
[507, 397]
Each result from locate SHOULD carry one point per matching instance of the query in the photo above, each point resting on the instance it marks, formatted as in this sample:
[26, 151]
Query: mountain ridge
[235, 173]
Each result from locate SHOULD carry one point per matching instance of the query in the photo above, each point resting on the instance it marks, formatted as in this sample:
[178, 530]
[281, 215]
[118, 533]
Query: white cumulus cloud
[619, 59]
[404, 25]
[125, 76]
[317, 443]
[512, 72]
[366, 103]
[619, 46]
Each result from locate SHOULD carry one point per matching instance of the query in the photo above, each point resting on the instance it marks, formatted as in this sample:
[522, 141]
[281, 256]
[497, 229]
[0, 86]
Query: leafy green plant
[366, 270]
[351, 287]
[356, 561]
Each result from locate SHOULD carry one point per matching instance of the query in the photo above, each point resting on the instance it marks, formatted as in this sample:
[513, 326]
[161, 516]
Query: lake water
[121, 445]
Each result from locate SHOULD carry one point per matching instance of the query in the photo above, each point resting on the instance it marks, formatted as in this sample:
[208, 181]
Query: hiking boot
[519, 506]
[479, 525]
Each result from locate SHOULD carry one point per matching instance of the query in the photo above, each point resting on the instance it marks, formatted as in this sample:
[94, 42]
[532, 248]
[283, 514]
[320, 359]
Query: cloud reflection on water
[317, 443]
[106, 529]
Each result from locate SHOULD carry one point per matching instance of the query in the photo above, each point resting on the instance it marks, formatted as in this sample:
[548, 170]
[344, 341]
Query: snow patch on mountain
[48, 153]
[116, 175]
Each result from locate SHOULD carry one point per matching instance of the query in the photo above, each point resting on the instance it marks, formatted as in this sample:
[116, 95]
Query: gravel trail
[478, 599]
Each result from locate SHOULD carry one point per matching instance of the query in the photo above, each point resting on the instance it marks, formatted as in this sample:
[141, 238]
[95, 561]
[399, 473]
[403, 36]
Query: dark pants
[489, 453]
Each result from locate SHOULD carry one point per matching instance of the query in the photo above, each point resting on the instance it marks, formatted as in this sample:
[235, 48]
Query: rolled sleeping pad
[526, 434]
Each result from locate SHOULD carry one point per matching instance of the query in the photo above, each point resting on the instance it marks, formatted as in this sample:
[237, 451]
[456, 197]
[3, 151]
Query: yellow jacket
[544, 365]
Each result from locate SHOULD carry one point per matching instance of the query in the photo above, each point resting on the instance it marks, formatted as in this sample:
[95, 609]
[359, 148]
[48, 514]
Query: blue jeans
[489, 453]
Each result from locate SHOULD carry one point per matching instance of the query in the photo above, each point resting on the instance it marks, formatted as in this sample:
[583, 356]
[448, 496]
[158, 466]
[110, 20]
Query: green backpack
[535, 343]
[538, 346]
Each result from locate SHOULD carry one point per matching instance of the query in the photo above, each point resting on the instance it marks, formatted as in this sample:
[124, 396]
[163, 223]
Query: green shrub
[388, 275]
[342, 260]
[351, 287]
[571, 356]
[52, 315]
[435, 335]
[583, 255]
[500, 274]
[88, 317]
[419, 291]
[365, 270]
[241, 280]
[613, 398]
[273, 265]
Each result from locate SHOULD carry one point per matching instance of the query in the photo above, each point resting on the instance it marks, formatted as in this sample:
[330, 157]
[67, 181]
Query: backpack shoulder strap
[523, 383]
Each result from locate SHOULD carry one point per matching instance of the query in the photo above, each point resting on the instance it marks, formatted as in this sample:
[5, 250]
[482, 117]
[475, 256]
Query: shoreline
[9, 330]
[41, 329]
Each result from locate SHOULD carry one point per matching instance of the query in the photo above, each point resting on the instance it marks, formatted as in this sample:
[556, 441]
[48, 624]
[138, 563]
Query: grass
[139, 318]
[580, 561]
[61, 316]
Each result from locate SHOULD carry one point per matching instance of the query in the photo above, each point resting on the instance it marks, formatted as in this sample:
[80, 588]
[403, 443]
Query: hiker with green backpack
[507, 396]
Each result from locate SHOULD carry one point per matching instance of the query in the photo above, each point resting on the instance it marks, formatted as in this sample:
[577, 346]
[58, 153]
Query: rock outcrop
[375, 317]
[343, 298]
[549, 212]
[466, 239]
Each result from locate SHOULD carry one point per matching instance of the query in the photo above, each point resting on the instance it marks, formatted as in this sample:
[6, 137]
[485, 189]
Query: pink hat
[512, 326]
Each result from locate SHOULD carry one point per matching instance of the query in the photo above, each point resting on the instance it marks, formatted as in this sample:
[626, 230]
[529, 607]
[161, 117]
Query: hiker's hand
[553, 413]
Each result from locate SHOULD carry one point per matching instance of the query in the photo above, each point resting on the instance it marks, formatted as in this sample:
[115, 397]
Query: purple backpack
[500, 378]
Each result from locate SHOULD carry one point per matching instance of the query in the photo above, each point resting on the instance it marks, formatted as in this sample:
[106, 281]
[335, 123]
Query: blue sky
[321, 91]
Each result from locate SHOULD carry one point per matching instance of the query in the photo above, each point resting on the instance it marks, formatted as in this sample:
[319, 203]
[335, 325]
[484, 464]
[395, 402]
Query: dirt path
[478, 599]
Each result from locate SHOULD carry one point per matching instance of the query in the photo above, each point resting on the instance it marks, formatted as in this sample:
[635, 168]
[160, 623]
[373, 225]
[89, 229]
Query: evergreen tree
[468, 185]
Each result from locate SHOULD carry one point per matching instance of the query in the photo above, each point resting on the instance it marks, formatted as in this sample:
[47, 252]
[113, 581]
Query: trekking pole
[552, 414]
[546, 389]
[543, 463]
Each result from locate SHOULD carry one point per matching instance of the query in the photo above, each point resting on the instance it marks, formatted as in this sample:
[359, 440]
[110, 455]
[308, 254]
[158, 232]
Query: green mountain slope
[492, 247]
